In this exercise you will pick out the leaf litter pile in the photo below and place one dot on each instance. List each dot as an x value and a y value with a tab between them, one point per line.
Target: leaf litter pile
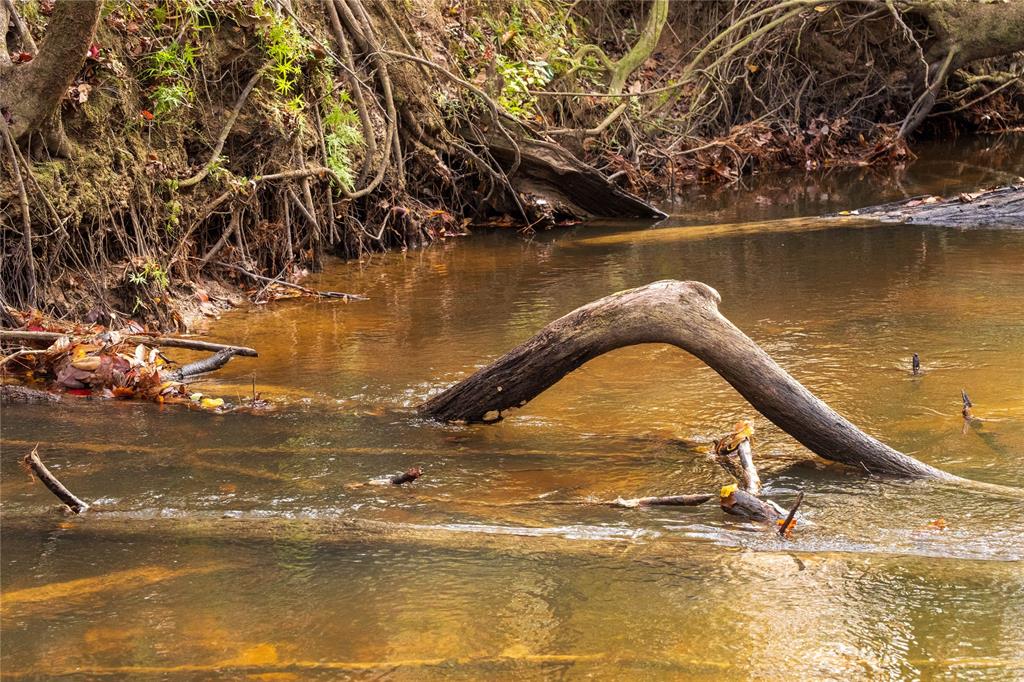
96	362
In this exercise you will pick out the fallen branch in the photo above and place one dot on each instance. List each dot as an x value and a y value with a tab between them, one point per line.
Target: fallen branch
208	364
33	462
684	314
17	354
297	287
169	341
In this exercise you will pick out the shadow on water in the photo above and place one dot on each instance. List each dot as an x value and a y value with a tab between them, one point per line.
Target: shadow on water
242	545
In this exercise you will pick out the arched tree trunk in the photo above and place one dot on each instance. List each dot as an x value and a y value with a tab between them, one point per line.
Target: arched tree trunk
684	314
30	94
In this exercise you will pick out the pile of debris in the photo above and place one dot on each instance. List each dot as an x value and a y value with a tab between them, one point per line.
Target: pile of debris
126	364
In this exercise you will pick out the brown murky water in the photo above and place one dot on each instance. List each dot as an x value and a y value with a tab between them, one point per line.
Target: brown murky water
243	546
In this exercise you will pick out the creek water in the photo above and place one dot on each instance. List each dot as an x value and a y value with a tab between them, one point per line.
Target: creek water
250	546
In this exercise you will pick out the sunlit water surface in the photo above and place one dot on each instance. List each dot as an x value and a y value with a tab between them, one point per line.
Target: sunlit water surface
248	546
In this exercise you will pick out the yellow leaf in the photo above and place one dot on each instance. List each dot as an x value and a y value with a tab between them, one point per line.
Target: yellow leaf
89	364
211	403
727	490
743	429
753	68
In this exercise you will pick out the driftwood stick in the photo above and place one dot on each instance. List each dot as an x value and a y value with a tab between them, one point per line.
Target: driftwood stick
169	341
791	515
684	314
33	462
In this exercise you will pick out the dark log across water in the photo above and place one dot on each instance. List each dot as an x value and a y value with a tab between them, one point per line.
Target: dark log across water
1003	207
684	314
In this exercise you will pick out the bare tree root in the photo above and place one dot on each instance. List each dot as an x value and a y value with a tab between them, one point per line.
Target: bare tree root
222	138
26	217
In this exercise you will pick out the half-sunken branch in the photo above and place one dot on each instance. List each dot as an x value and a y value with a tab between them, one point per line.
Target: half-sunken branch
33	462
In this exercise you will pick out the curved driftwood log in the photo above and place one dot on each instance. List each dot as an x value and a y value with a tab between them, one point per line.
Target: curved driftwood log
684	314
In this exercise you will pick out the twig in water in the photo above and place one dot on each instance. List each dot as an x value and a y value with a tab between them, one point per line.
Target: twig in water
297	287
784	528
33	462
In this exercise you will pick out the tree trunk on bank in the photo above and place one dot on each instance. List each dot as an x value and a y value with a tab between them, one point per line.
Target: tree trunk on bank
684	314
30	94
972	29
553	172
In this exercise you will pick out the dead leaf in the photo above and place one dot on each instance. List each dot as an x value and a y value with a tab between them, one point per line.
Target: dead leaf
89	364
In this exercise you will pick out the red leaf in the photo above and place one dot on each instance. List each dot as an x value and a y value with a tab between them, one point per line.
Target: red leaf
80	391
147	114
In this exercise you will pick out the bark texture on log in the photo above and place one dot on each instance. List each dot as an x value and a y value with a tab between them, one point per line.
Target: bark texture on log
684	314
1003	207
551	171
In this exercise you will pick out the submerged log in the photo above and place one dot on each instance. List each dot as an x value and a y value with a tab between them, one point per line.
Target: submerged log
665	501
1003	207
684	314
23	394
